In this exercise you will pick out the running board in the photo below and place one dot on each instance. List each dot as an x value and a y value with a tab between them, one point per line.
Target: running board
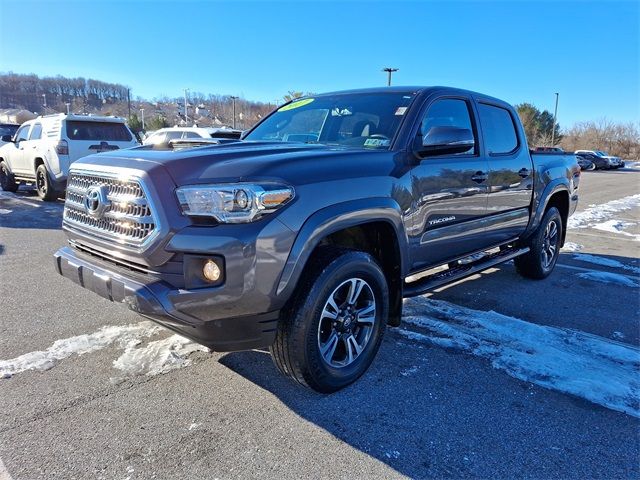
459	272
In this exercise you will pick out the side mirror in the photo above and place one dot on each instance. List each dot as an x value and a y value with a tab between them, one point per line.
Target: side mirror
6	138
446	140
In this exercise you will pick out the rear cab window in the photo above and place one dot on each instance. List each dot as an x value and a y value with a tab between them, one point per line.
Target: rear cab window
98	131
498	128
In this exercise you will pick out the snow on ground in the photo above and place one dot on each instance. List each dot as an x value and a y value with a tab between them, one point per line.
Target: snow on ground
611	278
616	226
605	262
596	214
571	247
157	357
598	369
79	345
4	211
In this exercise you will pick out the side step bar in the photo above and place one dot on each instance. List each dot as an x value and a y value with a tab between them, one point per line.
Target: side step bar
459	272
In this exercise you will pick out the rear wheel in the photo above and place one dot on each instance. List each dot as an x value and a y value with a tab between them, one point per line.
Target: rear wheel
333	329
7	181
43	184
544	247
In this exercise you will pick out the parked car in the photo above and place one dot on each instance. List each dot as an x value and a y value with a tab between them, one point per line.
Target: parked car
42	149
585	164
165	135
309	248
600	159
7	129
548	150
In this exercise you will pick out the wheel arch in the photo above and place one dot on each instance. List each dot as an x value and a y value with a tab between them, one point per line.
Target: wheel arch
371	225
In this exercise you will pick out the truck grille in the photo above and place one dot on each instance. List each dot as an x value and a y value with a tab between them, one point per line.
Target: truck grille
125	217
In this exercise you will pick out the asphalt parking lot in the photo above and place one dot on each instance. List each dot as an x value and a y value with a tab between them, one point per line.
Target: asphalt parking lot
450	394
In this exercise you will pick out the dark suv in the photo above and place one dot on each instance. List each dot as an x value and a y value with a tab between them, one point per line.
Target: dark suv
303	236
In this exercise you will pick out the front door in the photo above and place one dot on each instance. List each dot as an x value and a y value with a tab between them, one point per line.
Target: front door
17	161
449	191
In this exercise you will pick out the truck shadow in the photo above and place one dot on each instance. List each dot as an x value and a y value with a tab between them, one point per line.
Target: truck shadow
24	209
411	412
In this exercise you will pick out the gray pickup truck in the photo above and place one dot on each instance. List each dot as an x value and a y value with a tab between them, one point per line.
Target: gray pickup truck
305	236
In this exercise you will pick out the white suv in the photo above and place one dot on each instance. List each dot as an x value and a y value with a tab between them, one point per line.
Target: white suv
42	149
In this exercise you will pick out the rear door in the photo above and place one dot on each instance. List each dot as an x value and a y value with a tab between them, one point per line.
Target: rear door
86	137
510	171
449	191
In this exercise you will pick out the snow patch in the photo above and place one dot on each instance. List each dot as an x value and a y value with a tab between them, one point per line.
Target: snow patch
193	426
616	226
607	277
598	213
158	357
605	262
571	247
4	211
595	368
60	349
409	371
617	335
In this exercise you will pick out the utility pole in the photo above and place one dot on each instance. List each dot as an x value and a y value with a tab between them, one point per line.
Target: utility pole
186	114
68	106
129	101
389	70
44	102
234	110
142	114
555	120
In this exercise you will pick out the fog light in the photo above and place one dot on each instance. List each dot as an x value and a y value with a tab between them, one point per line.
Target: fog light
211	271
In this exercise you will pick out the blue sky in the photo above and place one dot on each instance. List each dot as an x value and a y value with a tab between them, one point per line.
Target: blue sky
520	51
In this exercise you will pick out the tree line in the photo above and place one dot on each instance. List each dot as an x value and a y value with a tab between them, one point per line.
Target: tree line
620	139
87	95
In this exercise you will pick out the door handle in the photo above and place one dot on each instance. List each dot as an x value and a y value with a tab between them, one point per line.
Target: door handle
479	177
524	172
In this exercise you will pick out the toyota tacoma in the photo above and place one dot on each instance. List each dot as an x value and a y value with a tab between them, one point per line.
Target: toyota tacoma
306	235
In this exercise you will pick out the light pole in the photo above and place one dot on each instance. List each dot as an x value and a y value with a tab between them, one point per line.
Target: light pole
142	115
389	70
234	110
44	102
555	119
186	115
68	107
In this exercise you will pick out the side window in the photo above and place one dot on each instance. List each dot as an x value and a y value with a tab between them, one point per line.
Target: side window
173	136
449	112
498	129
22	133
36	133
190	135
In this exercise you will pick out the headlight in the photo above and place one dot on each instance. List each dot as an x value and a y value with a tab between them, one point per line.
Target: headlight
233	203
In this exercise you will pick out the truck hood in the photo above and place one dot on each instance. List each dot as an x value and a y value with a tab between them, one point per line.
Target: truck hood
240	161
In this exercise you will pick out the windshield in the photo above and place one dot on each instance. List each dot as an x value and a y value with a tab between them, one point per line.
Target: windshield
8	129
602	154
352	120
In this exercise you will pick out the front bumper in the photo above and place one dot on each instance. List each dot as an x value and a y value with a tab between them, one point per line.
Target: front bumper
159	301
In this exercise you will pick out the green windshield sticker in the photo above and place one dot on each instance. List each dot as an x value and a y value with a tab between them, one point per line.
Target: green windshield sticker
299	103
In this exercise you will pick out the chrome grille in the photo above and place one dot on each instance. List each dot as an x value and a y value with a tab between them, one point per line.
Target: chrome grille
127	217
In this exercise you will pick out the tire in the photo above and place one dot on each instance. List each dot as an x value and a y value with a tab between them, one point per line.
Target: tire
544	246
44	186
7	182
310	326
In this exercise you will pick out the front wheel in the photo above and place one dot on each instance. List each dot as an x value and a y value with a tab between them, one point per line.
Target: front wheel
333	329
7	182
43	184
544	247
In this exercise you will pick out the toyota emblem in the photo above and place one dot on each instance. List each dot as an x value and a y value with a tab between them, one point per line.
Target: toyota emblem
95	200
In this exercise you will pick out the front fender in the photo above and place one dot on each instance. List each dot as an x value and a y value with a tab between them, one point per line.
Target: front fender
335	218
